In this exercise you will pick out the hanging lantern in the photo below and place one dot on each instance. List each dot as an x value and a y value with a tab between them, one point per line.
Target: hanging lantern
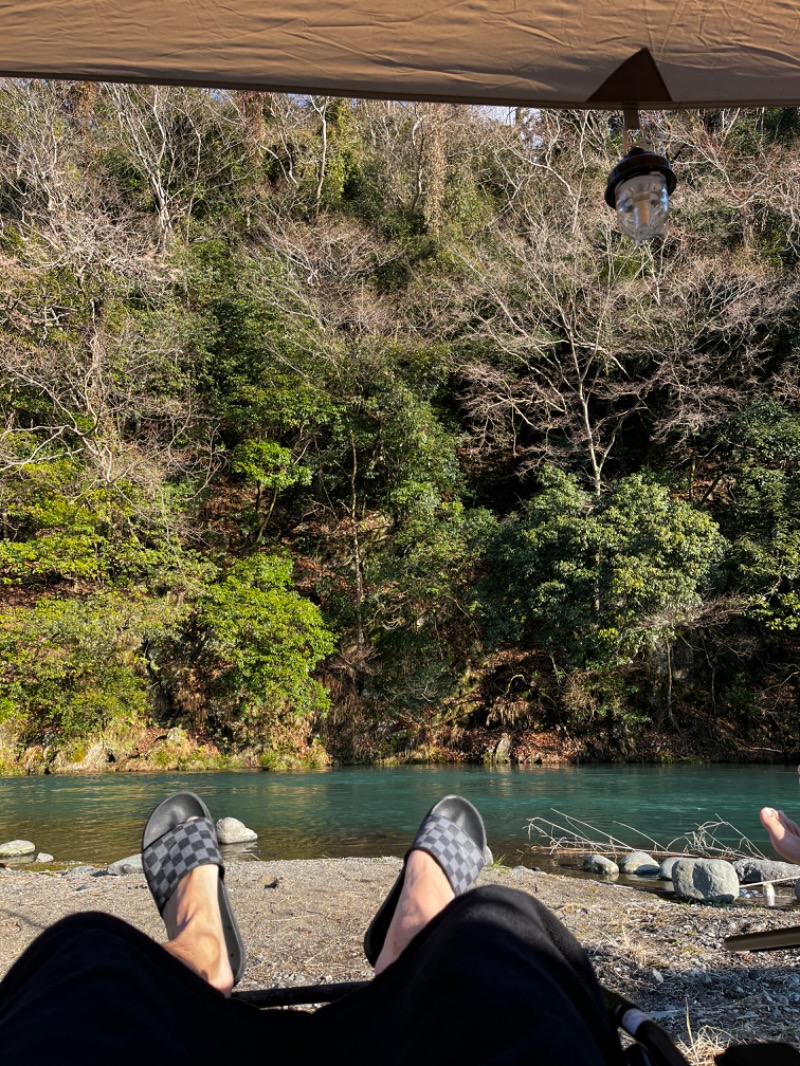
639	188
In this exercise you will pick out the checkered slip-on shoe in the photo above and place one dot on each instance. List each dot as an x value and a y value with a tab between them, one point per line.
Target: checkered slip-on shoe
179	837
453	833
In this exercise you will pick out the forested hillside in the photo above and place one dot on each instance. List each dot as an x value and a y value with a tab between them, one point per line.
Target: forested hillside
356	430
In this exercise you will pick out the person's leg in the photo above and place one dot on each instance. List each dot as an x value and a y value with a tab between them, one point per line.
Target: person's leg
426	891
452	833
92	989
492	978
178	843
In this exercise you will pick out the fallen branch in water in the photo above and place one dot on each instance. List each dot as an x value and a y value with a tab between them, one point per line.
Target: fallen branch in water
574	835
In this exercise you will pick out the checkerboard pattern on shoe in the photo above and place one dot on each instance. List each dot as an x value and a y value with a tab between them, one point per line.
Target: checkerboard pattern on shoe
456	852
174	854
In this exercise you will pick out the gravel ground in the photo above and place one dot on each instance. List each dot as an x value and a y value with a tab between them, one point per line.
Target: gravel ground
303	923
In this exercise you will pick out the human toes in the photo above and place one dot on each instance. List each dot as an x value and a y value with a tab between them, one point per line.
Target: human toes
783	833
771	820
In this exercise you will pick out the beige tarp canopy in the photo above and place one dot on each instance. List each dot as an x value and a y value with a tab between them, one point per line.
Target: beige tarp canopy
551	53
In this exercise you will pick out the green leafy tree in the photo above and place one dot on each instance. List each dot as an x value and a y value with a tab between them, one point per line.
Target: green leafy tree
76	668
595	582
420	603
61	526
760	511
261	643
274	469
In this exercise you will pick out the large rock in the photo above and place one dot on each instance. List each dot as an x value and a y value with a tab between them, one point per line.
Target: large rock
600	864
751	870
17	849
502	752
131	865
639	863
232	831
665	868
709	880
80	757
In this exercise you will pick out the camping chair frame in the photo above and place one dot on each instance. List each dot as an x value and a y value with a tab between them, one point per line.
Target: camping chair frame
655	1042
652	1046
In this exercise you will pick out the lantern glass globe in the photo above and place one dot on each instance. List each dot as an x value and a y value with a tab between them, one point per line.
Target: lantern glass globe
642	204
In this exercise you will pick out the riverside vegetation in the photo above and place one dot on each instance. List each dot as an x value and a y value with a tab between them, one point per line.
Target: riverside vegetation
355	430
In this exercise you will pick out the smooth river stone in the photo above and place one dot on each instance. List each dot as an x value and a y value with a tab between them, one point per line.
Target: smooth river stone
131	865
639	863
751	870
17	849
709	880
79	871
665	869
600	864
232	831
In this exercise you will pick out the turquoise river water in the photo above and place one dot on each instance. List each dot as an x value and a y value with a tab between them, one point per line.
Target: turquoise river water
366	811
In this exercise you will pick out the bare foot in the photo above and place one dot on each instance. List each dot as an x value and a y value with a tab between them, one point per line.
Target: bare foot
426	891
194	928
784	834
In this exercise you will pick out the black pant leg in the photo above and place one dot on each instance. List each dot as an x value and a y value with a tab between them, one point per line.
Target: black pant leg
94	990
493	979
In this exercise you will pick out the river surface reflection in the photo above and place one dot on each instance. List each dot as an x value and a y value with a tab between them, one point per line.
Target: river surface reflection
366	811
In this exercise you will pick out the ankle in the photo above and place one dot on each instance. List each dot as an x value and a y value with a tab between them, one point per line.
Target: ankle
199	948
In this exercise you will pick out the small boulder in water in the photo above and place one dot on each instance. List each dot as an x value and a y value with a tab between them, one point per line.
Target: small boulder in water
44	857
600	864
751	870
665	869
639	863
232	831
17	849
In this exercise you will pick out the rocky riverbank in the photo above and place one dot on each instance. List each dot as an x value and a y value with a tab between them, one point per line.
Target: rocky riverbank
303	923
149	749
